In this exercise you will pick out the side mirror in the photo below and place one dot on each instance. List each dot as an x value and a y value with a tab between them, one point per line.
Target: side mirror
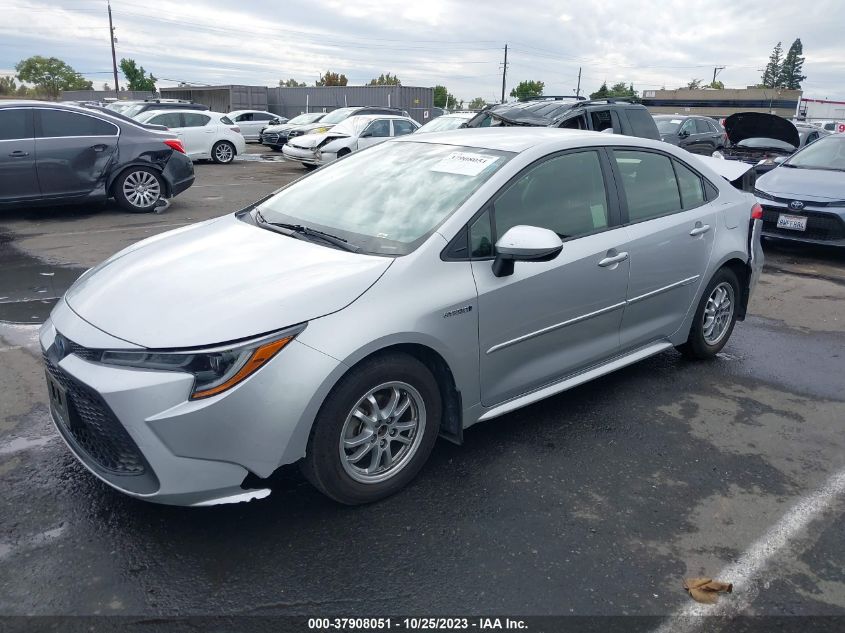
778	160
683	134
366	134
525	244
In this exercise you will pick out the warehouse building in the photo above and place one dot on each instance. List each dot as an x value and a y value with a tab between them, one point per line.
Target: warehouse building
288	102
221	98
722	103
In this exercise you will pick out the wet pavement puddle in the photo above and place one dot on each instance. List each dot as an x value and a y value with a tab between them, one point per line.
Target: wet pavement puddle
29	287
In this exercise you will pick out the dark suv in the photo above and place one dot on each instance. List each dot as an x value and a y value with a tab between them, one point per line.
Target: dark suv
56	154
132	109
336	116
623	117
696	134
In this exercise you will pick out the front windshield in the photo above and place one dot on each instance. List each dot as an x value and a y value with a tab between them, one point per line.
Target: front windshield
309	117
387	199
442	123
131	111
766	143
352	126
826	153
337	116
668	126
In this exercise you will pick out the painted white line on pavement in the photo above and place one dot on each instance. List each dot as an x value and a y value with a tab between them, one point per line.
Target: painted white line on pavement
745	572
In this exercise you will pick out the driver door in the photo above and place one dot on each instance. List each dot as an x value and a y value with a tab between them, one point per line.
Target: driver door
376	132
550	319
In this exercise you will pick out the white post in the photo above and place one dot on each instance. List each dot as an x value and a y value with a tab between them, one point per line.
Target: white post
306	102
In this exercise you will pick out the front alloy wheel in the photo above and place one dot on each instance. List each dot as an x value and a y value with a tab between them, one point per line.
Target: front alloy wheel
138	190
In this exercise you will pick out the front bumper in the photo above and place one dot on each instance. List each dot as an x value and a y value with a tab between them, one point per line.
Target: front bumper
137	430
825	225
308	156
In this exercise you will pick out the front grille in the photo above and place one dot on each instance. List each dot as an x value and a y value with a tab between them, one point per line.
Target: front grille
820	226
94	428
272	137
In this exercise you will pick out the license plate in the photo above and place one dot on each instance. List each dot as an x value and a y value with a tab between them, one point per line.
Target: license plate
58	401
792	222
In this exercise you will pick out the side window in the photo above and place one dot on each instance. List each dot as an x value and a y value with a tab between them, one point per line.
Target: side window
244	117
481	237
168	119
649	183
64	123
702	127
688	126
601	120
565	194
692	193
16	123
812	136
400	128
195	120
379	128
226	120
263	117
574	123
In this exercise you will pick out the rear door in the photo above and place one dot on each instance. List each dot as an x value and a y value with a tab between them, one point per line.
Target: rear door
401	128
74	152
18	179
550	319
671	230
249	126
709	137
199	133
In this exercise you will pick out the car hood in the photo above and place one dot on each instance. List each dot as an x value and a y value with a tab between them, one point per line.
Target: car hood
216	282
284	127
309	141
803	184
744	125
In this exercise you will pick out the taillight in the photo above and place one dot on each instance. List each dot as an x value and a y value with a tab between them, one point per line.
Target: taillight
175	143
757	212
235	129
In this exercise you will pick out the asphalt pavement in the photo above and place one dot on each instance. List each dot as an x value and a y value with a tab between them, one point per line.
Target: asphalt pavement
595	502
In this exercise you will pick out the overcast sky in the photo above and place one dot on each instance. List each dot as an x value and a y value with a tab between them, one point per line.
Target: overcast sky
652	43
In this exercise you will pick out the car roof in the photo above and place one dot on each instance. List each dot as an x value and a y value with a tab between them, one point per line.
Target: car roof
370	117
518	138
457	115
246	111
153	111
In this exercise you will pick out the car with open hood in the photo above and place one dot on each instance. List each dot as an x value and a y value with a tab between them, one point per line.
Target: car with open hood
759	139
406	292
803	199
356	132
341	114
275	136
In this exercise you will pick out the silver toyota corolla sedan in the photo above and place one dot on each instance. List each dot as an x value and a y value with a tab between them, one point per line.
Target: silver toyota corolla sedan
407	291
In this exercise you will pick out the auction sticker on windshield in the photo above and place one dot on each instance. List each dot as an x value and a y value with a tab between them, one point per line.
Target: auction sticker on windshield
464	163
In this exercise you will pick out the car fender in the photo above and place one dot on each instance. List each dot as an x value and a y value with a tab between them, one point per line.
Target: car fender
152	159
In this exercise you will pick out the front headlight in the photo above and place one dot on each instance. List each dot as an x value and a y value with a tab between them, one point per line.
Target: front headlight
320	130
717	154
215	370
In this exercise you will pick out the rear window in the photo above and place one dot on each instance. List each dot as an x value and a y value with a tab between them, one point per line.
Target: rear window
58	123
226	120
195	120
15	123
648	180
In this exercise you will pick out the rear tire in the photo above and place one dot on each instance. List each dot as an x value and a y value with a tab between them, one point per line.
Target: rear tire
375	430
223	152
138	189
714	318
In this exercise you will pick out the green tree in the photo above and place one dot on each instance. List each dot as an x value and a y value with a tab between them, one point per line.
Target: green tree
602	93
790	76
477	104
385	80
444	99
137	76
718	85
771	73
528	88
331	79
51	75
694	84
8	85
291	83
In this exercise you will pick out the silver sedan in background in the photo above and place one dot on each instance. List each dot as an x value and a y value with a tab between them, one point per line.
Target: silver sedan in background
408	291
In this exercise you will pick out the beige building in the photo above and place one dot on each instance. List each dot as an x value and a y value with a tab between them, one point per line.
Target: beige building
722	103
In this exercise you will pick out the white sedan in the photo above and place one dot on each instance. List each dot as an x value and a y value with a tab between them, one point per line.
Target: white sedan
204	134
354	133
252	122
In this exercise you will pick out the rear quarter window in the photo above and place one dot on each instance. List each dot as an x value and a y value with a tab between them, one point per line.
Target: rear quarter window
642	123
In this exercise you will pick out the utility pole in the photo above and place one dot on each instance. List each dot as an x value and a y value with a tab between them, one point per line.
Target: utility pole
578	89
716	72
113	56
504	72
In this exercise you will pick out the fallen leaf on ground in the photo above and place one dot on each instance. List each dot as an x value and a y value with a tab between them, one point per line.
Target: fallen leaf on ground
706	590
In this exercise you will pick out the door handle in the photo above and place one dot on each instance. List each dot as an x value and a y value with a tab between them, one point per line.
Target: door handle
18	153
613	259
700	229
98	148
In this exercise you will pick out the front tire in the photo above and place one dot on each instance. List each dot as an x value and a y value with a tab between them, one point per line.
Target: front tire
714	318
223	152
375	430
138	189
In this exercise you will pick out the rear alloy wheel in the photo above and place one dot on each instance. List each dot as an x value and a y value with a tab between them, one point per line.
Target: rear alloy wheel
223	152
138	190
375	430
715	317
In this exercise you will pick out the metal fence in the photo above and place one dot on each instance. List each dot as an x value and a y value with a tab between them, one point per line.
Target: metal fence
288	102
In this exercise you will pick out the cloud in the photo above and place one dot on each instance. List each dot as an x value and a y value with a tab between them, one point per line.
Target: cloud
651	43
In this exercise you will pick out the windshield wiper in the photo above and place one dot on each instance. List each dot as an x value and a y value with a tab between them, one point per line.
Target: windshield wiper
301	230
